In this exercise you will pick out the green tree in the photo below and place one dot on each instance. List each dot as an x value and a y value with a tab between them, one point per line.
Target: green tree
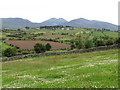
27	27
10	52
80	43
100	42
109	42
72	46
89	43
48	46
39	48
117	41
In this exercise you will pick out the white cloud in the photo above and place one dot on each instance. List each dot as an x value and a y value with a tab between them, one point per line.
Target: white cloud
40	10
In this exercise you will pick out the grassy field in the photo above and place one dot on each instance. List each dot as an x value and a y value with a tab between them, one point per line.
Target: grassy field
72	34
56	34
87	70
4	46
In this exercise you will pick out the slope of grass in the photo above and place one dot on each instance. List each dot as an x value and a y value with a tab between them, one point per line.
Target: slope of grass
4	46
87	70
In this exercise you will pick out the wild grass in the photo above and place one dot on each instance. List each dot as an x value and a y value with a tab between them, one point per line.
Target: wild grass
4	46
86	70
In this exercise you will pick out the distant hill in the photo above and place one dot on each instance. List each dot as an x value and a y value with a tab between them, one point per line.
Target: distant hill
15	23
84	23
53	22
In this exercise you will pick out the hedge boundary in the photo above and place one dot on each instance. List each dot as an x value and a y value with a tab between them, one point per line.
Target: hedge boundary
61	53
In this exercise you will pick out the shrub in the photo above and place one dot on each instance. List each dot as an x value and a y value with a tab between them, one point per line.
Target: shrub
80	43
48	46
10	52
117	41
89	43
72	46
39	48
109	42
100	42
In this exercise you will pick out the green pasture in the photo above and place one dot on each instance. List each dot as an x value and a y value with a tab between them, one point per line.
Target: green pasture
57	34
87	70
4	46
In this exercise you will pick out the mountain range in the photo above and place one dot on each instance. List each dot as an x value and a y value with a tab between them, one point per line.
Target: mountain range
15	23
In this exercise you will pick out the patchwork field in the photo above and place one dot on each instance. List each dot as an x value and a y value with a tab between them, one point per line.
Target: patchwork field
86	70
29	44
59	35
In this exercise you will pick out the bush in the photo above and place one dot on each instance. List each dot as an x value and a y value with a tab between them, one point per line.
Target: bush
48	46
10	52
39	48
109	42
72	46
117	41
89	43
80	44
100	42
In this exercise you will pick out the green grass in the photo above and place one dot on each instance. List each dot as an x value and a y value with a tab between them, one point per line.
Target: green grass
87	70
72	34
108	33
4	46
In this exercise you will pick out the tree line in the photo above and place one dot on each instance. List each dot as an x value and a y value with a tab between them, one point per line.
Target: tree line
88	42
38	48
79	43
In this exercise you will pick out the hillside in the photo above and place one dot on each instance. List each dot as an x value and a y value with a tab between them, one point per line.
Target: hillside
87	70
15	23
53	22
84	23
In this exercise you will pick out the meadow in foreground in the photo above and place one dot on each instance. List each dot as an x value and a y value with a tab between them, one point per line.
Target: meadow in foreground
86	70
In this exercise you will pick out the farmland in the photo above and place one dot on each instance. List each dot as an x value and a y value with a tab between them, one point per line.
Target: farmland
59	35
24	40
87	70
29	44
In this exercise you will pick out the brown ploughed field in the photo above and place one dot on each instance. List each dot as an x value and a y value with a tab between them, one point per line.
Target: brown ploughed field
29	44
